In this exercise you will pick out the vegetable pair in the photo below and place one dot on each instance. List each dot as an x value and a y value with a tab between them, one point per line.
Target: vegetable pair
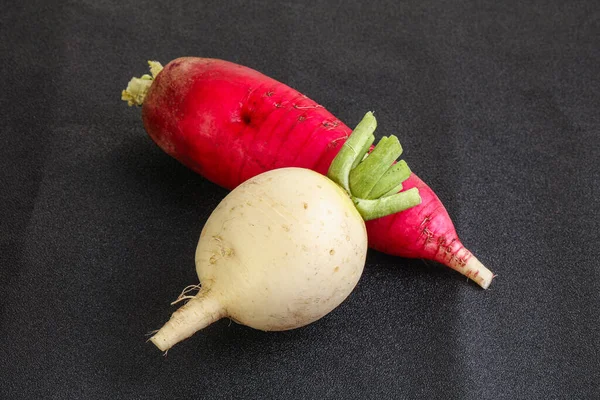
230	124
286	247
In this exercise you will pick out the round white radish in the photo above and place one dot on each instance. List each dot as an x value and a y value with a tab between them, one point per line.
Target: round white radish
279	252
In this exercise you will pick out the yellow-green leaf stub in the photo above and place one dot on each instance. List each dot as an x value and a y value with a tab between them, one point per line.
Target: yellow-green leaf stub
353	150
137	88
374	179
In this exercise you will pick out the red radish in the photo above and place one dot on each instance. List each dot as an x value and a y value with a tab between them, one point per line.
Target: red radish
229	123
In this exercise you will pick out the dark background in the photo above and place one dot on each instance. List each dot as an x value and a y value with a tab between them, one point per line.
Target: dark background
497	105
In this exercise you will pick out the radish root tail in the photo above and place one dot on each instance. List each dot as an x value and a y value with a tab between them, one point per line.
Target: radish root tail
478	273
200	311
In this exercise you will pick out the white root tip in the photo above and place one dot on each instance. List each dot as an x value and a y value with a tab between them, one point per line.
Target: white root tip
201	311
478	273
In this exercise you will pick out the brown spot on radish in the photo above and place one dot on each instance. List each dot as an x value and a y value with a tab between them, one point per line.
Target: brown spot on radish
305	204
336	269
246	118
307	107
269	93
330	124
428	235
229	252
331	252
285	227
213	259
333	142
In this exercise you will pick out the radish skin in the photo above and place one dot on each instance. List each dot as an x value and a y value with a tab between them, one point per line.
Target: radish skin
279	252
434	238
229	123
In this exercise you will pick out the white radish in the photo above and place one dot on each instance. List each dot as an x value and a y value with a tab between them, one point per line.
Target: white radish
280	251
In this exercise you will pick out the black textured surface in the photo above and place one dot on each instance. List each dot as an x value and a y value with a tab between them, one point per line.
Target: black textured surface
497	105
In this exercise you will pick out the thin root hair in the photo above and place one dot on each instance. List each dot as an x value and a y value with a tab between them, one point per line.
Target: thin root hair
185	293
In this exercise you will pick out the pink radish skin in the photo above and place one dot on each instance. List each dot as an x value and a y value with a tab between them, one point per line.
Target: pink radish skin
433	237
